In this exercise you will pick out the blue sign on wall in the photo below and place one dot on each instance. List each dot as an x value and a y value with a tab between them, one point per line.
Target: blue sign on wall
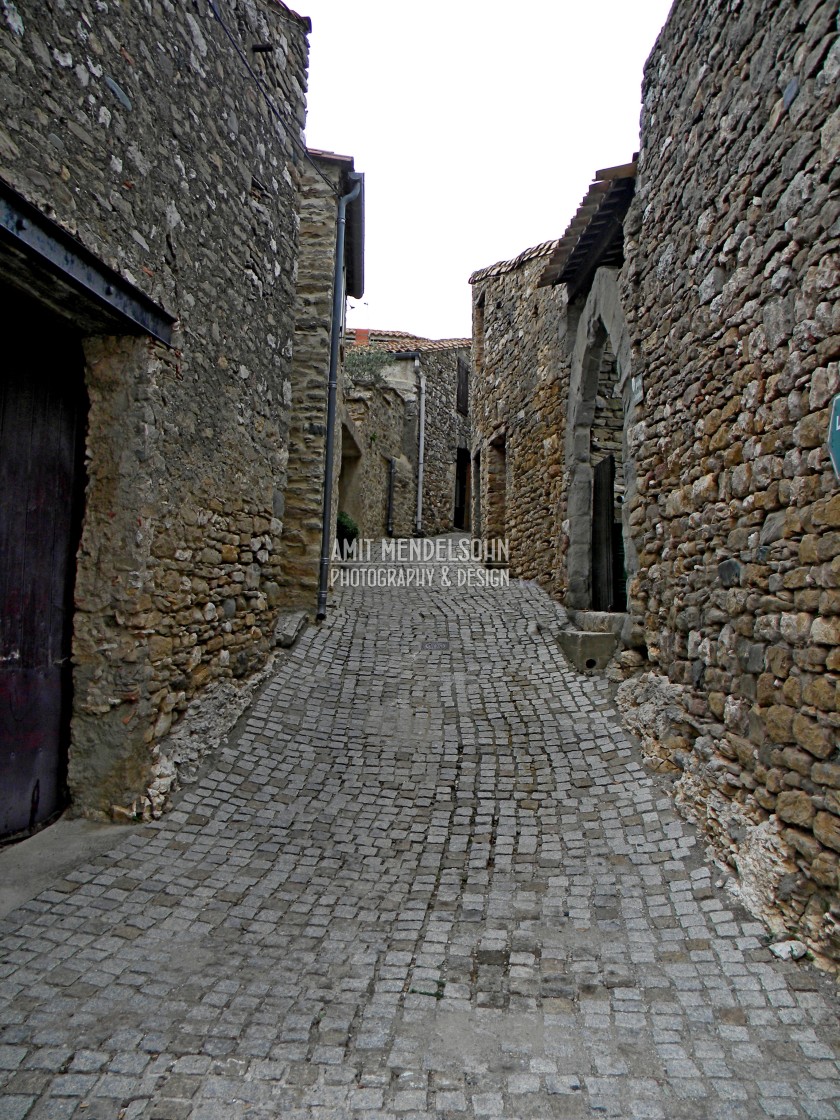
834	435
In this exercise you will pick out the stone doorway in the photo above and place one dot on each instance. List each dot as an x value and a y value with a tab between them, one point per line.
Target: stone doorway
477	522
495	512
461	518
608	579
43	413
597	456
350	478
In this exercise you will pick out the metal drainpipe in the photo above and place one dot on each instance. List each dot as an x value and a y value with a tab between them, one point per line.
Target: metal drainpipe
332	393
392	471
418	527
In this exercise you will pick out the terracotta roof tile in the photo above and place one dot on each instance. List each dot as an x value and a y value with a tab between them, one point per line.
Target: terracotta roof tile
541	250
402	340
561	248
594	234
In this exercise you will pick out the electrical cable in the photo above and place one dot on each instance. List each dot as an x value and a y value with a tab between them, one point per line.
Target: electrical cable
275	111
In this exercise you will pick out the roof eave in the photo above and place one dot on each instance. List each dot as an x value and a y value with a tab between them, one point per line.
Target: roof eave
355	244
592	236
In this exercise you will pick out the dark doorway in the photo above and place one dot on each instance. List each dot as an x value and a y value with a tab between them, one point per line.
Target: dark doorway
350	478
462	489
495	513
43	410
608	579
619	569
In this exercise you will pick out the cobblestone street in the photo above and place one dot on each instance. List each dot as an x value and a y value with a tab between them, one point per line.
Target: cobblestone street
427	876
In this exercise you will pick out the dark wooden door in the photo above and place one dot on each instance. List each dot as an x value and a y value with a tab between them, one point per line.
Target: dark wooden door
603	503
462	477
42	415
619	591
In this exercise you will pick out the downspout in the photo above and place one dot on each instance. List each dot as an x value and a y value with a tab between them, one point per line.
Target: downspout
421	435
421	446
332	393
392	470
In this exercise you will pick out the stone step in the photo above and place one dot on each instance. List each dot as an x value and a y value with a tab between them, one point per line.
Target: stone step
290	626
588	650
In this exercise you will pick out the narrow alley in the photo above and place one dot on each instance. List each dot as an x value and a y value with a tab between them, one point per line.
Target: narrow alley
427	876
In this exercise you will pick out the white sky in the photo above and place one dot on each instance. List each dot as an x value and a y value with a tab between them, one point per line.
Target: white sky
478	125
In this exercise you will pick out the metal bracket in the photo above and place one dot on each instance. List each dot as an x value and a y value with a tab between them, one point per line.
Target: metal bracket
78	278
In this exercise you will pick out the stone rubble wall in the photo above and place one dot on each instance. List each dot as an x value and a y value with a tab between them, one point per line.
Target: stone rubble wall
731	293
303	515
384	406
727	311
137	128
518	393
446	431
381	416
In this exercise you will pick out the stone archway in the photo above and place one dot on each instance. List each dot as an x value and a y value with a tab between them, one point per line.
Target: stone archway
598	417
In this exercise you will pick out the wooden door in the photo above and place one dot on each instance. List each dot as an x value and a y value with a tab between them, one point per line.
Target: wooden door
462	478
42	415
603	502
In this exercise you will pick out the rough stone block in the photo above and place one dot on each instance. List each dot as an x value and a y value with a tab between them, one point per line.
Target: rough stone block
778	723
729	573
814	738
827	829
289	628
587	651
794	807
826	631
826	774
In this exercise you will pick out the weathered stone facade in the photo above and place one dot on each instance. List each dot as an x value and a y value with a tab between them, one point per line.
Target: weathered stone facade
731	297
447	432
140	131
385	424
303	516
384	402
720	338
518	407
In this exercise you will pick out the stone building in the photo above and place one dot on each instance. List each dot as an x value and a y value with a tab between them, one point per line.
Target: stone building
698	351
150	165
405	394
518	414
378	481
328	175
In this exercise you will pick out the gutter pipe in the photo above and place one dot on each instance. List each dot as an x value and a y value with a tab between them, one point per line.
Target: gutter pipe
418	528
392	470
421	438
332	392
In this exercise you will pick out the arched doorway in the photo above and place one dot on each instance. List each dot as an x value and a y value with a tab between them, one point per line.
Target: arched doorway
600	470
607	575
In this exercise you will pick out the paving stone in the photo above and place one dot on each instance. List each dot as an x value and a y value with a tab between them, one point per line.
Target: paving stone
14	1106
11	1056
421	880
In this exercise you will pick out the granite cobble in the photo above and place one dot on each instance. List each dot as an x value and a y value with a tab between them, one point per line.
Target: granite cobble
427	876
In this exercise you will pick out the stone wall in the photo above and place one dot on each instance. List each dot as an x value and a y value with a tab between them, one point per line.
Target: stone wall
715	350
446	431
383	419
303	516
138	129
731	295
386	412
518	409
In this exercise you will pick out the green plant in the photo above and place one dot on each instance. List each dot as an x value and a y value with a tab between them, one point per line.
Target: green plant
364	364
346	529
